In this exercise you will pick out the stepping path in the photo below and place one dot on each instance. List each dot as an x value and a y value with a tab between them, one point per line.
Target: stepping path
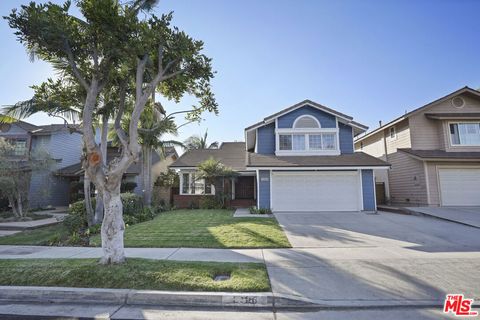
57	215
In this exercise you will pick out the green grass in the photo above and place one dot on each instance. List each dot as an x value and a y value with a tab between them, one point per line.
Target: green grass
134	274
204	229
36	237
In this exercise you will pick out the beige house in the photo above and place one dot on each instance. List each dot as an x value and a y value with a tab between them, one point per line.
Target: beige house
434	152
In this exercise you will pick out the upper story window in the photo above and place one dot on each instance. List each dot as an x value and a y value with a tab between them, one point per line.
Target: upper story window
393	133
465	134
19	147
307	137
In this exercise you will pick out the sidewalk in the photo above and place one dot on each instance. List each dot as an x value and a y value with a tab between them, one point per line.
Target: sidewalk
57	215
179	254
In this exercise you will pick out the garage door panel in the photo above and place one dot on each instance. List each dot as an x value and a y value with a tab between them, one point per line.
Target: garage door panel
459	186
315	191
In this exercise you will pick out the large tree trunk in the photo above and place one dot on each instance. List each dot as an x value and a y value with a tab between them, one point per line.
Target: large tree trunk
113	228
88	199
103	150
147	175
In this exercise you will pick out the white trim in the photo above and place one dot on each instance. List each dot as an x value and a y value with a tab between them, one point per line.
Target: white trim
374	190
258	188
306	133
318	168
310	104
190	173
305	130
453	146
425	170
327	152
256	140
306	116
271	193
232	181
360	181
264	123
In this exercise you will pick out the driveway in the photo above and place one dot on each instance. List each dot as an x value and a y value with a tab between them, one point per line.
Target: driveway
357	259
466	215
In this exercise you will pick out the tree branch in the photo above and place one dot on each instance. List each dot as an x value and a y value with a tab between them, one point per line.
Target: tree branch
73	65
122	136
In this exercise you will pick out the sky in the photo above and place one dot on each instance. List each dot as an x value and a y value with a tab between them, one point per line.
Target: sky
372	60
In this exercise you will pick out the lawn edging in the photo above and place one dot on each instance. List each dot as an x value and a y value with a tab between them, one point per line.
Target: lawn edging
150	297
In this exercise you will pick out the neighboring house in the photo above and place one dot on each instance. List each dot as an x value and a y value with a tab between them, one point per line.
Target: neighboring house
299	159
434	152
53	187
62	145
160	164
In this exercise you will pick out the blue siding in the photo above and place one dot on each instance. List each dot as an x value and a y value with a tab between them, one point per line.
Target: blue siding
346	138
326	120
266	139
264	189
45	188
368	186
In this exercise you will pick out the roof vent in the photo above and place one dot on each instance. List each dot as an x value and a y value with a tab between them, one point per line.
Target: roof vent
458	102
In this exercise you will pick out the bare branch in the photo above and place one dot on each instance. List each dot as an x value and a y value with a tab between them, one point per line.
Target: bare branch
121	108
73	65
184	124
173	74
170	64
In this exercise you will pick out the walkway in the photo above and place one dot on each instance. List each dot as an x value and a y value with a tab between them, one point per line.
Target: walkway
57	215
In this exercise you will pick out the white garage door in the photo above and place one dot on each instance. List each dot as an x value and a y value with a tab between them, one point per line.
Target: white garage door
460	187
316	191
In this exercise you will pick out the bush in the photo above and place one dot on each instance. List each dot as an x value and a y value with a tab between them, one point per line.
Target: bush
210	202
255	210
132	204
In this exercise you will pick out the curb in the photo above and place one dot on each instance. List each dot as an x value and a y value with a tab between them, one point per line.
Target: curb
240	300
66	295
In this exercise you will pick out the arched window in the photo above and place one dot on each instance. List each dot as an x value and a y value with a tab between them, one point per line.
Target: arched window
306	122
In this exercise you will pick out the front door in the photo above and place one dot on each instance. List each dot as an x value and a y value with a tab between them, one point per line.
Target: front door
244	188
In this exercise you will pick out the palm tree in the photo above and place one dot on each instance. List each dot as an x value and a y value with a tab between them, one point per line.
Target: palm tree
197	142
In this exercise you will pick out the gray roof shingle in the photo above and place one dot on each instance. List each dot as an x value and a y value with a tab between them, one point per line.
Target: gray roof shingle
442	154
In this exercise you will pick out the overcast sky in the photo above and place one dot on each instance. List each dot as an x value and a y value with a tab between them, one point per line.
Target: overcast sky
372	60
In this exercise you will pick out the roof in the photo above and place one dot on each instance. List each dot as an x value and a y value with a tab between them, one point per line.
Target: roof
453	115
465	89
357	159
310	103
442	155
25	125
134	169
50	128
230	154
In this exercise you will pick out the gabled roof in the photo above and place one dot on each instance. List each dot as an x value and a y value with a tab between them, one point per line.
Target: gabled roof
313	104
230	154
442	155
465	89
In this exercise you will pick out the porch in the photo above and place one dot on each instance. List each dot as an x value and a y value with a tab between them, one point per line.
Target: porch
241	192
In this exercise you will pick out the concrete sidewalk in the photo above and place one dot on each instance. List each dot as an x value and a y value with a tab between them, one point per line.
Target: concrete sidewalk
179	254
57	215
469	216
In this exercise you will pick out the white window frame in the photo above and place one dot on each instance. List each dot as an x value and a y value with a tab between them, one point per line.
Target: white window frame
190	184
306	116
306	132
450	134
394	130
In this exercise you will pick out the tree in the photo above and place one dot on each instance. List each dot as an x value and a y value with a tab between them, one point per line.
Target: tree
15	175
111	47
214	172
197	142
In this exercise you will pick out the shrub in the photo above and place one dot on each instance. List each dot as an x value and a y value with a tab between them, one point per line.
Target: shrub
132	204
255	210
210	202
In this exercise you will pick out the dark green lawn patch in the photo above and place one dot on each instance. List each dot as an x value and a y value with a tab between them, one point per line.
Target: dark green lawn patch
204	229
37	237
134	274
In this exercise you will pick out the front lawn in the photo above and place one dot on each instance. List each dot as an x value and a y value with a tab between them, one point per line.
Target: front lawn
204	229
139	274
37	237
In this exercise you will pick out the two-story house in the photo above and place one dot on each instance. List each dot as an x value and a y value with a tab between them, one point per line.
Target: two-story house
53	187
63	146
299	159
434	152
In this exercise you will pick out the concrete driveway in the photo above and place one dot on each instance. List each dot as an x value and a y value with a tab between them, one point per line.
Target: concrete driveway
357	259
466	215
